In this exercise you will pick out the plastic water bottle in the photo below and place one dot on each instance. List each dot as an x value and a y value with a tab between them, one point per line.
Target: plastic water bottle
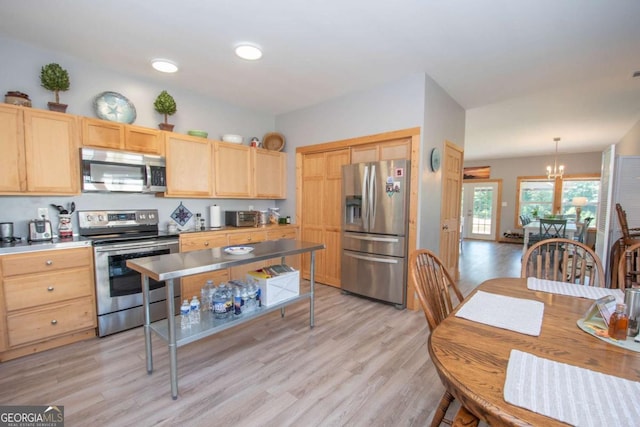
185	321
205	296
237	300
194	313
219	301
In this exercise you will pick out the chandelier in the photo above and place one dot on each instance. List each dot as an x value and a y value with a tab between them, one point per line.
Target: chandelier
558	170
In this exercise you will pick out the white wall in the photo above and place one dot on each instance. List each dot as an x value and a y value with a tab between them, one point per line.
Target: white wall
629	145
444	120
510	169
21	71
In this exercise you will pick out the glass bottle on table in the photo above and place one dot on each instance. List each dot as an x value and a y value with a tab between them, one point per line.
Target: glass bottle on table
618	323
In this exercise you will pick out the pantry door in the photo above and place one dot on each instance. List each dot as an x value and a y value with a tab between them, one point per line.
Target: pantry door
480	209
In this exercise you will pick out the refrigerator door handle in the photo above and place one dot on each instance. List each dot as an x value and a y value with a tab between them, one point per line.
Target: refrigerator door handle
373	259
373	239
365	198
372	198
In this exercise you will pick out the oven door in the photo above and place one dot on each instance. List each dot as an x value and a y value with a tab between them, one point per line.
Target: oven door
117	286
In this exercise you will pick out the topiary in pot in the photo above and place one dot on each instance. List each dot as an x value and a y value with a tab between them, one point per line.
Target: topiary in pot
55	78
165	104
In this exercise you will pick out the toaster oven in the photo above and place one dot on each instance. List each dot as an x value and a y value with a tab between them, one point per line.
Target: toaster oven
241	218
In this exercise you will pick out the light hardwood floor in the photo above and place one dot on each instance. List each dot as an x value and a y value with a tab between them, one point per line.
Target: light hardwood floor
364	364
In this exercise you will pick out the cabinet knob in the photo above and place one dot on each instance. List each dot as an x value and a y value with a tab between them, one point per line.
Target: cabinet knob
249	239
206	243
50	288
54	322
49	262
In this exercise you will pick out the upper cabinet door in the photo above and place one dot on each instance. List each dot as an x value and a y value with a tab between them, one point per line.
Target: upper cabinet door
188	166
143	140
233	170
118	136
102	134
270	177
51	149
12	169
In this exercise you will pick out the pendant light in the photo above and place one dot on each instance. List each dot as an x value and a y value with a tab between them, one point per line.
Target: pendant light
558	170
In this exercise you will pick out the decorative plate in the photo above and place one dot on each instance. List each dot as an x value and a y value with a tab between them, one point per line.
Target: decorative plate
435	159
238	250
114	107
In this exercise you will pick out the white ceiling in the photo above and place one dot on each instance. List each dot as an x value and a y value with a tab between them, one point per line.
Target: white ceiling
526	71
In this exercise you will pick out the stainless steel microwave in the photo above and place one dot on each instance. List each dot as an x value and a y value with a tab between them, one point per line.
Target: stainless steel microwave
105	170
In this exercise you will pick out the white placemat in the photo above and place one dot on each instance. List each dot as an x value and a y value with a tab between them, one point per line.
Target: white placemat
572	289
515	314
574	395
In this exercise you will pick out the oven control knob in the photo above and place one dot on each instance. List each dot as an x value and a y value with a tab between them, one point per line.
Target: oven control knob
100	218
142	216
151	216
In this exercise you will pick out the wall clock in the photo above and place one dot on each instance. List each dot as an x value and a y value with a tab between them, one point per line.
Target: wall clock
435	160
114	107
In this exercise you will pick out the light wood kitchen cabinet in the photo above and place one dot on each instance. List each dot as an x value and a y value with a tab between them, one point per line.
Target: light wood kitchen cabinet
286	233
118	136
189	166
322	211
245	238
246	172
233	170
389	150
39	152
270	174
191	285
47	300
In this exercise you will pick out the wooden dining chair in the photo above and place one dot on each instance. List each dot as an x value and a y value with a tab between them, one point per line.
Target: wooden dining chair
629	267
435	287
563	260
630	235
581	237
552	228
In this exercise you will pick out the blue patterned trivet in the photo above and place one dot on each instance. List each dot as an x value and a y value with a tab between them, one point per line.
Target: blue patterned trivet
181	215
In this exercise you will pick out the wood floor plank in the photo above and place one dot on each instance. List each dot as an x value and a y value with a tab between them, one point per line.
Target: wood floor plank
364	364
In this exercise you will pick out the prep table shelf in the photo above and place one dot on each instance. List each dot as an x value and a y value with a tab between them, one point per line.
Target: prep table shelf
209	325
173	266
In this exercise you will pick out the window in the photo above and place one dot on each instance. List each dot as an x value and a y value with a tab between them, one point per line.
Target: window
589	188
540	197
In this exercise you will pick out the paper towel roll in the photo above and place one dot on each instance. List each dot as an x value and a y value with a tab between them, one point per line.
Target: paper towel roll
215	217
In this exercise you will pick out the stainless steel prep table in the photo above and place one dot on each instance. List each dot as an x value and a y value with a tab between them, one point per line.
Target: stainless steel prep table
173	266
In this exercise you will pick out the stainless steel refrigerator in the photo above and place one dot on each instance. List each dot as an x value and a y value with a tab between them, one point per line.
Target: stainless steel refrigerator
374	250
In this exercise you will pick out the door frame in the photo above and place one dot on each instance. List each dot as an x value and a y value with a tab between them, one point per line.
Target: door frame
498	211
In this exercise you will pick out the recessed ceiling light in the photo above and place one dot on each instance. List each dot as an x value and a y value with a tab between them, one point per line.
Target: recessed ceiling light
164	65
248	52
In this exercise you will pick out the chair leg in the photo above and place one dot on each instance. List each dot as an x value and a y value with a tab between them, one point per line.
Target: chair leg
464	418
441	410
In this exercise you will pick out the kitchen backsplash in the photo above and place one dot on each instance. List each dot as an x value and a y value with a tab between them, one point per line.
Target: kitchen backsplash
20	210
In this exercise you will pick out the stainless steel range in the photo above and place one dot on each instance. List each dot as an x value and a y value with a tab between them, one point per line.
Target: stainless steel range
119	235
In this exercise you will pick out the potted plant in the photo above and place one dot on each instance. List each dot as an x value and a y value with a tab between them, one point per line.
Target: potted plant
165	104
55	78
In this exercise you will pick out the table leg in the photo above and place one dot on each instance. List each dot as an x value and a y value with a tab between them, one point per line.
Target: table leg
311	292
147	322
173	350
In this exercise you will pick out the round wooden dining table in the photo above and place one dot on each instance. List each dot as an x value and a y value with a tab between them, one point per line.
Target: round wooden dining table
471	358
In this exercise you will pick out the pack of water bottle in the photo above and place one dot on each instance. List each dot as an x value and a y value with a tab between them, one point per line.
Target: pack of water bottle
230	299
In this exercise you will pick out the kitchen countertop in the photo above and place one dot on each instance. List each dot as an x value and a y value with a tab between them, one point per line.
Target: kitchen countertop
24	246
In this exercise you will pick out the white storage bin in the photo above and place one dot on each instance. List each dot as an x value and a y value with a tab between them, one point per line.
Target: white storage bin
278	288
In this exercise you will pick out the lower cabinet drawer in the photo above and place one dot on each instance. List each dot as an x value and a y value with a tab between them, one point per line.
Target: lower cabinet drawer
286	233
45	261
50	321
35	290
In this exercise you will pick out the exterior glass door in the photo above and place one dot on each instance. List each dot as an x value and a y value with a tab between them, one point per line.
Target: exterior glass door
479	207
